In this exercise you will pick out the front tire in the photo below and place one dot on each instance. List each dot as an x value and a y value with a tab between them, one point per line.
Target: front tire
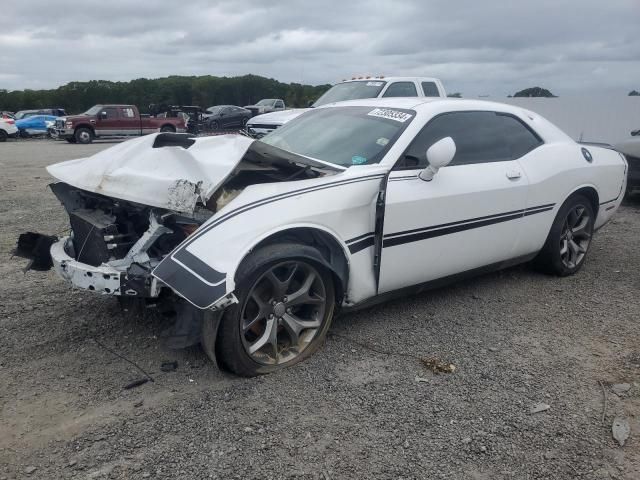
569	239
3	136
286	302
167	129
84	135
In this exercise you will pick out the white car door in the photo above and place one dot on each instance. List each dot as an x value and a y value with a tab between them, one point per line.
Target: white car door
471	214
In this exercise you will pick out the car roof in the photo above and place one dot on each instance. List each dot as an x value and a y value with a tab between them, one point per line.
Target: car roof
428	107
390	79
428	103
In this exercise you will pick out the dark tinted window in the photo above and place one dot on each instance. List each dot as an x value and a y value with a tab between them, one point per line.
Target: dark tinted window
430	89
279	104
111	112
480	137
401	89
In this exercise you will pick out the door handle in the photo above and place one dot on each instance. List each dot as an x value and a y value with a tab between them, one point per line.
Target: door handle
513	174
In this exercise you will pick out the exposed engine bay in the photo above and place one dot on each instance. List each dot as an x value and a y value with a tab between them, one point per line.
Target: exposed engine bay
125	240
114	243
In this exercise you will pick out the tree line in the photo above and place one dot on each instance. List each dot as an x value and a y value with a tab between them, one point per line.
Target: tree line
204	91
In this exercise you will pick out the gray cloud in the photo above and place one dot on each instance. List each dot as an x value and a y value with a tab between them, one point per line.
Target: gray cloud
490	47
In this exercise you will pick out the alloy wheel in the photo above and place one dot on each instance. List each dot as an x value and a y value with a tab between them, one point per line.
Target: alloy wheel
575	236
283	312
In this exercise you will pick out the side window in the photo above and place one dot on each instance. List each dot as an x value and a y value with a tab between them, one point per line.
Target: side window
127	112
279	104
480	137
430	89
111	113
401	89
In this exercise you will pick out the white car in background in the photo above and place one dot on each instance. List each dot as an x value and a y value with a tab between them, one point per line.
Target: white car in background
258	243
7	129
354	89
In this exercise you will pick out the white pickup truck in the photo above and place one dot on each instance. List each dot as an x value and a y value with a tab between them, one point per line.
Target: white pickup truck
354	89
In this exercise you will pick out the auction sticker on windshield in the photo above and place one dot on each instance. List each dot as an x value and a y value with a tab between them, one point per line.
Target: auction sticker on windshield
390	114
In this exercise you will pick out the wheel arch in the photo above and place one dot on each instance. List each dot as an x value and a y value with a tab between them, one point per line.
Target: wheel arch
168	125
84	125
333	251
591	193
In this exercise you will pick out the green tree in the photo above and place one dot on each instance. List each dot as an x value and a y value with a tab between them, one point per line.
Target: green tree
534	92
204	90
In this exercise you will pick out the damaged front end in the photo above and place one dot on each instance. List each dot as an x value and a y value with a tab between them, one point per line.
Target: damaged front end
112	248
131	205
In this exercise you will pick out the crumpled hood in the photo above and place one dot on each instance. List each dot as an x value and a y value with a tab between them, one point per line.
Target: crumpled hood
277	118
170	177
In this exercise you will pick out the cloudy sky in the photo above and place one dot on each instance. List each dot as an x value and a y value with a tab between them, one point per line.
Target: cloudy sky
493	47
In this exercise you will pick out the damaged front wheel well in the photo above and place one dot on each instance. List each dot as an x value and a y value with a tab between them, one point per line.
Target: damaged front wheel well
326	244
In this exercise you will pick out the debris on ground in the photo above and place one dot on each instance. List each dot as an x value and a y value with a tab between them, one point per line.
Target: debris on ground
30	469
422	380
620	388
620	430
539	407
438	366
168	366
135	383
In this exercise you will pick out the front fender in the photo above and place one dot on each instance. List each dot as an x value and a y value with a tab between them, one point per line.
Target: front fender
202	269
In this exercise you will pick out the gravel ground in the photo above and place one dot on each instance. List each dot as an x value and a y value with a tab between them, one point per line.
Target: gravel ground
359	408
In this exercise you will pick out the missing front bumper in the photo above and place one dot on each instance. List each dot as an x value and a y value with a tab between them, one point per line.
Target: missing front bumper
132	281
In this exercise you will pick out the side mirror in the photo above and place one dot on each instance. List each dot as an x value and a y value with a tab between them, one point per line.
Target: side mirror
103	115
439	155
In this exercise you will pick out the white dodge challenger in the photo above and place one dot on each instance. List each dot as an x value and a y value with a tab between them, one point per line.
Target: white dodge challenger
256	244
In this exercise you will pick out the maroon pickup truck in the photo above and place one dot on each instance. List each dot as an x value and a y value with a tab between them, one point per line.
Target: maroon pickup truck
104	121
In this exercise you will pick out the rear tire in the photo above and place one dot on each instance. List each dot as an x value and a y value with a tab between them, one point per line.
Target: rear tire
569	239
167	129
286	302
84	135
3	136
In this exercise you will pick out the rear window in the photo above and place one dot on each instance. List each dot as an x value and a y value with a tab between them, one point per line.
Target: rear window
430	89
401	89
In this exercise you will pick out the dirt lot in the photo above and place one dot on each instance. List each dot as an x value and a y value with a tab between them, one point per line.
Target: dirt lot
516	338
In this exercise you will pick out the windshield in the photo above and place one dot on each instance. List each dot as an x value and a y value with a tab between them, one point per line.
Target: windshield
93	110
24	114
266	102
343	136
351	91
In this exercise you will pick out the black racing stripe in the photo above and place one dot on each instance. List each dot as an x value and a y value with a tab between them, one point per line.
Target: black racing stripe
423	235
538	210
472	220
450	224
189	286
360	237
274	198
416	235
198	266
361	245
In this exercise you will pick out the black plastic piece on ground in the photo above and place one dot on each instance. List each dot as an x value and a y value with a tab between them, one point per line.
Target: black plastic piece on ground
169	366
35	247
135	383
187	330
